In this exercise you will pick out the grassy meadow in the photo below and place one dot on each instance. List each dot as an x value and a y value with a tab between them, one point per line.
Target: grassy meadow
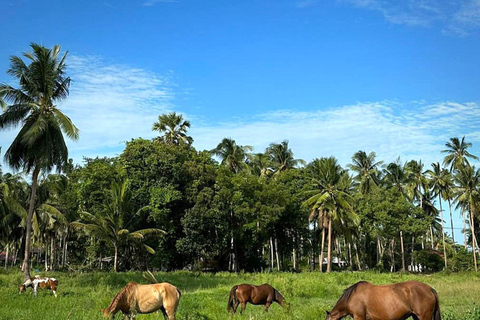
204	296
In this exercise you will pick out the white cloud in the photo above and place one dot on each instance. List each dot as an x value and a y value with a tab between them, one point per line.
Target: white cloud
389	129
150	3
112	104
453	17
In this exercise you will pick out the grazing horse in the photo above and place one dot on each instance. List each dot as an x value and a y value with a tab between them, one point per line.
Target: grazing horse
145	298
264	294
396	301
44	283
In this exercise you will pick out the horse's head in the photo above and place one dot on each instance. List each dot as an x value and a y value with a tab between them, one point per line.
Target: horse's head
334	315
280	299
107	313
22	288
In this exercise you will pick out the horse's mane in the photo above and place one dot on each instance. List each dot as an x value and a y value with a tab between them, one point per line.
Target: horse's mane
121	297
348	292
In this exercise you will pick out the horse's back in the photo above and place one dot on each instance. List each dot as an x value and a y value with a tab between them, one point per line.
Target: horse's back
392	301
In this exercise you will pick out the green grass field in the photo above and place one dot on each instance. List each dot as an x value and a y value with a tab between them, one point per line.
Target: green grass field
204	296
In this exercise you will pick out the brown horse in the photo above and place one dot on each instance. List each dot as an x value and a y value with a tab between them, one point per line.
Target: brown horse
264	294
396	301
145	298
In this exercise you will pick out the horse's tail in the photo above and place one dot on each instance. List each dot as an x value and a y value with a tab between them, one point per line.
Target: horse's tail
232	298
436	311
179	293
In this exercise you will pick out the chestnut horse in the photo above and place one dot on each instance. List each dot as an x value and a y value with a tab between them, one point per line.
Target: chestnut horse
264	294
145	298
44	283
396	301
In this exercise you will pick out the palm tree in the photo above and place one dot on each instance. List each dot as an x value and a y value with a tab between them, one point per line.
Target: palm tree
259	164
417	181
467	196
439	179
39	145
174	129
457	153
367	170
395	174
329	195
112	226
233	156
281	156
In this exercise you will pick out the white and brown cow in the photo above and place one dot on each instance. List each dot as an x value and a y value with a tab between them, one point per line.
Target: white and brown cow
44	283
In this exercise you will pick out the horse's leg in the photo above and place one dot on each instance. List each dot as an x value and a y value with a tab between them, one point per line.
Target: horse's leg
428	315
169	313
54	292
235	306
244	305
35	286
267	305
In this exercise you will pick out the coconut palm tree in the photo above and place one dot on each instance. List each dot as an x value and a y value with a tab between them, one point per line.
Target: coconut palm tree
439	180
281	157
174	128
233	156
467	196
113	225
259	164
395	174
367	170
457	154
328	194
417	181
39	146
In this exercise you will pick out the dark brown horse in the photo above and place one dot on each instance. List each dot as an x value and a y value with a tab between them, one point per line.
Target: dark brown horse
396	301
264	294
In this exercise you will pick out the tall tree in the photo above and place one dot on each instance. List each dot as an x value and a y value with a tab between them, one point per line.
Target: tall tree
39	146
281	156
457	154
173	127
328	194
439	179
232	155
468	196
113	225
367	170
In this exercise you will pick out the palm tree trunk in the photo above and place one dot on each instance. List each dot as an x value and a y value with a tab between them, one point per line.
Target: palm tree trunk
356	256
413	251
52	255
451	220
28	225
46	256
431	237
403	252
350	260
6	255
392	255
329	252
276	254
115	258
464	229
474	245
443	231
272	259
320	262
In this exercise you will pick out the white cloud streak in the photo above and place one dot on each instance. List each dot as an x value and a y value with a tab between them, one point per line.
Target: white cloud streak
454	17
112	104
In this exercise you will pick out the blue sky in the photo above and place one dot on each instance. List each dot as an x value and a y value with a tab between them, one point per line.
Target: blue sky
332	77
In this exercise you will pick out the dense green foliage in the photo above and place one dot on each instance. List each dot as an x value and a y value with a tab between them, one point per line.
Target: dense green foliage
163	205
